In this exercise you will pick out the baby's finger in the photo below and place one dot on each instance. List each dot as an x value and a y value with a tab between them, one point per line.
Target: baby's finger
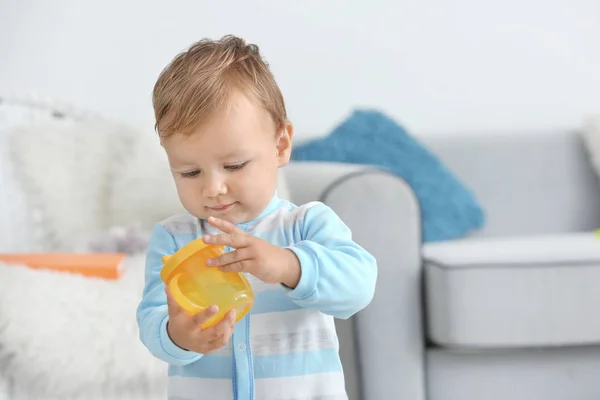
224	226
238	266
216	344
230	257
230	318
225	330
172	305
222	239
205	314
227	323
219	342
236	240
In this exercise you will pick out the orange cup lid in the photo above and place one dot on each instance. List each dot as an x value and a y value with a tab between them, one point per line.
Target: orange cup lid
171	262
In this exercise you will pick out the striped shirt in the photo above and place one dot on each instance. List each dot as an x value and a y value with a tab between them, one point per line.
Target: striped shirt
286	347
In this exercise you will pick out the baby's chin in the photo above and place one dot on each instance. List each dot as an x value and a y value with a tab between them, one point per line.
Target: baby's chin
236	214
235	217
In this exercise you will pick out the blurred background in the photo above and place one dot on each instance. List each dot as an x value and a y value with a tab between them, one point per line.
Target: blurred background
481	118
437	66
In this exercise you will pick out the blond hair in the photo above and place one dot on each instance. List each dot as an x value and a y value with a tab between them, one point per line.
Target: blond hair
199	82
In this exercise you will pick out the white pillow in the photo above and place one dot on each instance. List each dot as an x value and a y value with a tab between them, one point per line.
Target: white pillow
22	226
67	181
18	230
143	192
66	172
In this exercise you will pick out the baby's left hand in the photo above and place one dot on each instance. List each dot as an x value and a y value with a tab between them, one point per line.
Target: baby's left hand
267	262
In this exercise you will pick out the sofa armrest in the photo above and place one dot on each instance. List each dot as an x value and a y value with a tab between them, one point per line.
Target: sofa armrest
309	181
382	346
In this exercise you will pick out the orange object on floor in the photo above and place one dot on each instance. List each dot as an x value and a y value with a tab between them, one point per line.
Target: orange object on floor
100	265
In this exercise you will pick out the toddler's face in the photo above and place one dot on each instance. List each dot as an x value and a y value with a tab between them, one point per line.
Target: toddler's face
227	167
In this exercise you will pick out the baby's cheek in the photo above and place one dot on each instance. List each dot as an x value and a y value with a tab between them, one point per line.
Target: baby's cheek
190	198
243	187
182	191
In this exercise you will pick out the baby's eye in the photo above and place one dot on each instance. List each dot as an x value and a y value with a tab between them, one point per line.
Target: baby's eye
235	167
191	174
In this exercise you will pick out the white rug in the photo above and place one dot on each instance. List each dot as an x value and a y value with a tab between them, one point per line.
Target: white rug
68	337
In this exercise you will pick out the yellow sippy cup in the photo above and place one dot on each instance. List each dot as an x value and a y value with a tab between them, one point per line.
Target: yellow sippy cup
196	286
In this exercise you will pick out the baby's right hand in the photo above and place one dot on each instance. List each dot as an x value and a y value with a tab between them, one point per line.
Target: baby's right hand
184	330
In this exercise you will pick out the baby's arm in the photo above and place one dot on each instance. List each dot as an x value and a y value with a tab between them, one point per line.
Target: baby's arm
338	276
152	313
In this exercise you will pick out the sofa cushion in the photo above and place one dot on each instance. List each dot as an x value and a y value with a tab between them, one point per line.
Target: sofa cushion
562	373
552	185
528	291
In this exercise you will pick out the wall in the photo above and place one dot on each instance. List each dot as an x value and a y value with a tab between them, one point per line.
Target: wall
437	66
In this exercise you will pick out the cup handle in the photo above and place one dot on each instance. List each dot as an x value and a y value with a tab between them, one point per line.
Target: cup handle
181	299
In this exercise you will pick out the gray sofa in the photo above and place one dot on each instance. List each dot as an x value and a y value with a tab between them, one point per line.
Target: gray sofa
509	313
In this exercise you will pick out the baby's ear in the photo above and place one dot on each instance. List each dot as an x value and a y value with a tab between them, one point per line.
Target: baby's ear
284	143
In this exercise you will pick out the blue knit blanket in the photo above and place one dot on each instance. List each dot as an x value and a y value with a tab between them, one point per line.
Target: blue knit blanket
449	210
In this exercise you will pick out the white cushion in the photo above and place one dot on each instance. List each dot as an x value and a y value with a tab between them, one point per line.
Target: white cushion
23	226
15	214
67	172
527	291
67	178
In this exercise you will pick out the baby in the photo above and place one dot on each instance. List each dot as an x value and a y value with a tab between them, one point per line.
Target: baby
222	121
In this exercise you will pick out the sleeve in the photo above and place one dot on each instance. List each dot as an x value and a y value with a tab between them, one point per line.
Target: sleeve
338	276
152	313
